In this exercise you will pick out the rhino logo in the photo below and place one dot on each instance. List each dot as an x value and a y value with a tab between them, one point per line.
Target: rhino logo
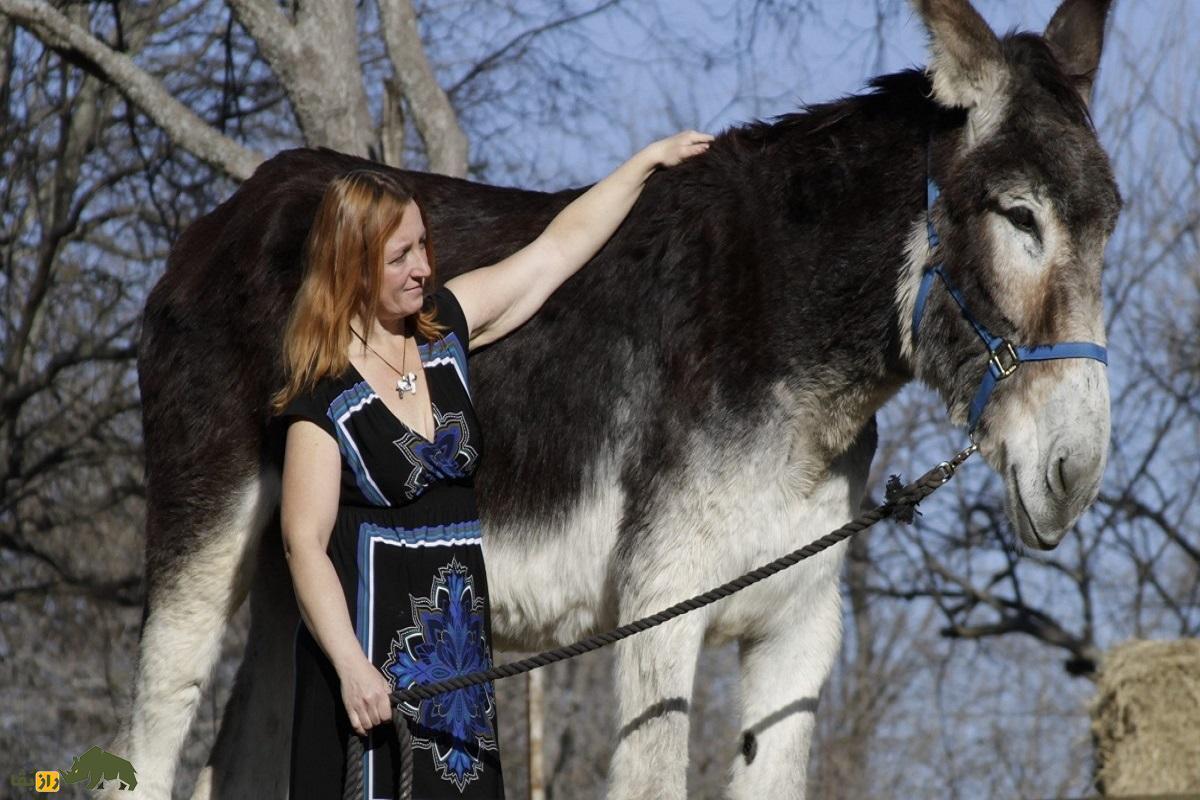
97	766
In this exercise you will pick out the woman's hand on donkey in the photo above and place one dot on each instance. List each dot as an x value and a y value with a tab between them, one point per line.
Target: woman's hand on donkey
672	150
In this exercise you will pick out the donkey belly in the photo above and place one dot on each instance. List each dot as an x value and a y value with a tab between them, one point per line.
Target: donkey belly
553	581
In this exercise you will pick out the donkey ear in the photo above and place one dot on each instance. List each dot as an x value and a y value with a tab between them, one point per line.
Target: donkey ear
967	65
1076	35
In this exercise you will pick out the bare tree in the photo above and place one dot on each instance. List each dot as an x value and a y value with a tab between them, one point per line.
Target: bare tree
313	54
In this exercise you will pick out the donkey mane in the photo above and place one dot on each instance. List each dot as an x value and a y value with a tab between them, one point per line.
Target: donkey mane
903	94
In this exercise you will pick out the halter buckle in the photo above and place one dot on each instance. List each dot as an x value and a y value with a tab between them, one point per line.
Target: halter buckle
997	364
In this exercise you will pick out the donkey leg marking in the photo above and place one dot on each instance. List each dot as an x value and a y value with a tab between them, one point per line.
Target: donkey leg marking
783	669
182	637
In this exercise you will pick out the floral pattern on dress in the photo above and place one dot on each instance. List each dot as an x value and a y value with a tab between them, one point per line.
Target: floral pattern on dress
448	640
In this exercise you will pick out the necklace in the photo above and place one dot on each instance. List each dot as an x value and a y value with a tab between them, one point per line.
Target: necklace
407	382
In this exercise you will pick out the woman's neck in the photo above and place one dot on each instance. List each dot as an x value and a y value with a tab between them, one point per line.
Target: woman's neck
382	334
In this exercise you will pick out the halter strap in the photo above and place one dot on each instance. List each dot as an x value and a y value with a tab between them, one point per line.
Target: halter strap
1005	357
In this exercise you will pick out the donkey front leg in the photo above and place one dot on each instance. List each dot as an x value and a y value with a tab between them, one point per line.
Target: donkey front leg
783	669
654	675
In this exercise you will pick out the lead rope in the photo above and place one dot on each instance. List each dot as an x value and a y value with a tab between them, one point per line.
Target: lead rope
352	787
900	502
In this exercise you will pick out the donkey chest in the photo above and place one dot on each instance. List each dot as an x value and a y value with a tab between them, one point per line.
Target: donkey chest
750	503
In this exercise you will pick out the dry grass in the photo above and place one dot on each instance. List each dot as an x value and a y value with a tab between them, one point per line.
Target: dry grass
1146	719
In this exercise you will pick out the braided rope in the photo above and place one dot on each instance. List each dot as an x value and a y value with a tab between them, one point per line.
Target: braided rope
901	503
352	786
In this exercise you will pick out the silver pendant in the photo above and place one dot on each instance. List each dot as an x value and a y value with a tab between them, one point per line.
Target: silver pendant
407	384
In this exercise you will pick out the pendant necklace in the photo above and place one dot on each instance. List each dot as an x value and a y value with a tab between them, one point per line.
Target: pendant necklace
407	382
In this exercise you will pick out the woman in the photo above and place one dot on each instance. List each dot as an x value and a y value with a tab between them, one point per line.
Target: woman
378	509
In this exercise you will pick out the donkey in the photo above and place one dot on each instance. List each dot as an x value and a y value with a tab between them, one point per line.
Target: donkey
696	402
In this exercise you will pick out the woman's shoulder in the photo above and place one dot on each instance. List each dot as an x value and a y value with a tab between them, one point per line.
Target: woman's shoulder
328	385
448	312
315	401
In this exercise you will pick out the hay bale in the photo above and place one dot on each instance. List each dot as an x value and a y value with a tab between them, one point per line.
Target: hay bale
1146	719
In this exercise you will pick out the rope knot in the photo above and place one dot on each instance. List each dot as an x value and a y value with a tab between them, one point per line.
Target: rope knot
902	503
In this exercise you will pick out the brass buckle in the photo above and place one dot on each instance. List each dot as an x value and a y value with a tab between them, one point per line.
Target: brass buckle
997	365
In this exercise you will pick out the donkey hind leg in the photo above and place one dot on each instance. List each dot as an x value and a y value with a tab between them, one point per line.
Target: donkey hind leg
783	668
252	754
181	638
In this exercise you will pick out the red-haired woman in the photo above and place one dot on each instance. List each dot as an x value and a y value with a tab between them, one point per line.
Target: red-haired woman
378	508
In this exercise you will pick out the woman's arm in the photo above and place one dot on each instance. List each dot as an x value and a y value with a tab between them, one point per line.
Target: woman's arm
499	298
308	510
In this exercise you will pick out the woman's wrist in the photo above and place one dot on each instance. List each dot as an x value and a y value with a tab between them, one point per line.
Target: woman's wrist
650	157
663	153
637	168
346	659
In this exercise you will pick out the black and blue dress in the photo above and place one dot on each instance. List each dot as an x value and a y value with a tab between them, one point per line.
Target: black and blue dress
406	546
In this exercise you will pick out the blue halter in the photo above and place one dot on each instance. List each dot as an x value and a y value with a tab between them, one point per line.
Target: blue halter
1005	356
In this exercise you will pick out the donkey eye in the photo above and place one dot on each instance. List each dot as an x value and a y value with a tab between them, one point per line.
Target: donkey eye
1022	219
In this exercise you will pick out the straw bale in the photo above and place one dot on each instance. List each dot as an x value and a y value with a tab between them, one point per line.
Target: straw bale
1146	719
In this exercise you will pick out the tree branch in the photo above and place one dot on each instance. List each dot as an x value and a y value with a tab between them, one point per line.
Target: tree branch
143	90
82	353
521	39
434	116
126	592
1136	508
1084	656
272	32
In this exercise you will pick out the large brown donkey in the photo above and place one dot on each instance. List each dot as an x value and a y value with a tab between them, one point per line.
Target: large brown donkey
696	402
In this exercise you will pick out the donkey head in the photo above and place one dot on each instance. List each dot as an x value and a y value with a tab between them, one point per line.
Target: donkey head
1027	203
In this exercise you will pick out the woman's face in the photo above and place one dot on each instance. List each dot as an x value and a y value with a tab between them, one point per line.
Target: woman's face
405	267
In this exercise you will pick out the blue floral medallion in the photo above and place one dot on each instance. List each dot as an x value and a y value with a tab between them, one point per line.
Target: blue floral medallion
448	457
448	640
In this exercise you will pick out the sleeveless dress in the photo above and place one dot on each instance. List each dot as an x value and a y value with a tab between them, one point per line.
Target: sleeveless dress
406	546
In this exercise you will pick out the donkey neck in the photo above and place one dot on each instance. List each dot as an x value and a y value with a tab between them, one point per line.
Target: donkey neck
848	254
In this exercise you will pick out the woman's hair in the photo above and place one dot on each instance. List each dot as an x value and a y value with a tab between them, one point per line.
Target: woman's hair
343	273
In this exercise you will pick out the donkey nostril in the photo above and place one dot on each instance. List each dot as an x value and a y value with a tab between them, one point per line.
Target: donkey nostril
1067	474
